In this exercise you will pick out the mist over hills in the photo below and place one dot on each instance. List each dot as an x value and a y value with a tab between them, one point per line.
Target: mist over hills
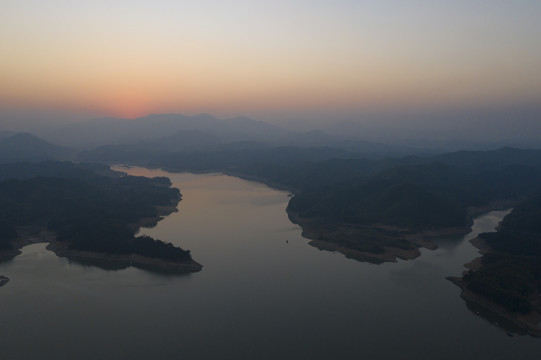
405	135
120	140
367	200
5	134
182	132
124	131
27	147
467	128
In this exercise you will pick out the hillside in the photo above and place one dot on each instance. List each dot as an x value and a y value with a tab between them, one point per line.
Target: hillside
27	147
344	199
507	278
85	216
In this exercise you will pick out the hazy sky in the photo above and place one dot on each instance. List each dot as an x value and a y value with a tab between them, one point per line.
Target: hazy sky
266	59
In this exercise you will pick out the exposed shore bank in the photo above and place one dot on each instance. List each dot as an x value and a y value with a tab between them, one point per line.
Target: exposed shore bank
529	322
382	237
100	259
378	239
120	261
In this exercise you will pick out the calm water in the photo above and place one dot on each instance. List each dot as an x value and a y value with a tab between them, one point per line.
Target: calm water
263	294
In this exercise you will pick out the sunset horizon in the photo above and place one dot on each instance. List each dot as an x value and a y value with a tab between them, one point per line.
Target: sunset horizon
267	61
287	179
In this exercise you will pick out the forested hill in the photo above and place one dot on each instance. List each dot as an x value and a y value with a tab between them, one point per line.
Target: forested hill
91	172
520	231
335	189
510	272
88	211
27	147
419	195
339	190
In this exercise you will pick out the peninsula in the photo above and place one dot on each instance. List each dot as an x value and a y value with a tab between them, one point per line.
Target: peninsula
88	213
507	278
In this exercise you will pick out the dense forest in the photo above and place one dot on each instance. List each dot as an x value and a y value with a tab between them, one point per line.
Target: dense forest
342	198
89	207
342	195
511	270
350	198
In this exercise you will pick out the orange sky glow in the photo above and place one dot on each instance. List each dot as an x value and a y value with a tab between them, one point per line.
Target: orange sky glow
130	60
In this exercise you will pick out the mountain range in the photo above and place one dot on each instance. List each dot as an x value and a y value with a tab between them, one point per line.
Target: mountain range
27	147
182	132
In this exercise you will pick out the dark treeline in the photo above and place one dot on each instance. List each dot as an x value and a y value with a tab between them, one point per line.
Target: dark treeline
435	193
511	272
344	192
87	210
335	187
473	178
414	192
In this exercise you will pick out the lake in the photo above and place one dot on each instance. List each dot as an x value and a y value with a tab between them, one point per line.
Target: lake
263	293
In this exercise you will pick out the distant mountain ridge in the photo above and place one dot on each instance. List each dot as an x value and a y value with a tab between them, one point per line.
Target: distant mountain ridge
115	131
27	147
211	131
5	134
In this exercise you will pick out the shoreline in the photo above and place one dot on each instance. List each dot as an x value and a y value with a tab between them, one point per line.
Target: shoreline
416	240
163	212
529	322
117	261
526	322
390	254
228	172
27	238
96	258
122	260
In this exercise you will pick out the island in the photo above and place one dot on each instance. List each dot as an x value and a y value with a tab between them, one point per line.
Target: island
88	213
507	278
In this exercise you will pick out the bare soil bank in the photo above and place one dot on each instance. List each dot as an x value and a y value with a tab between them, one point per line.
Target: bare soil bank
379	239
105	260
529	322
526	322
122	260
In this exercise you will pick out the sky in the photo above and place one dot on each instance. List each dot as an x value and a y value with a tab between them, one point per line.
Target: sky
294	61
